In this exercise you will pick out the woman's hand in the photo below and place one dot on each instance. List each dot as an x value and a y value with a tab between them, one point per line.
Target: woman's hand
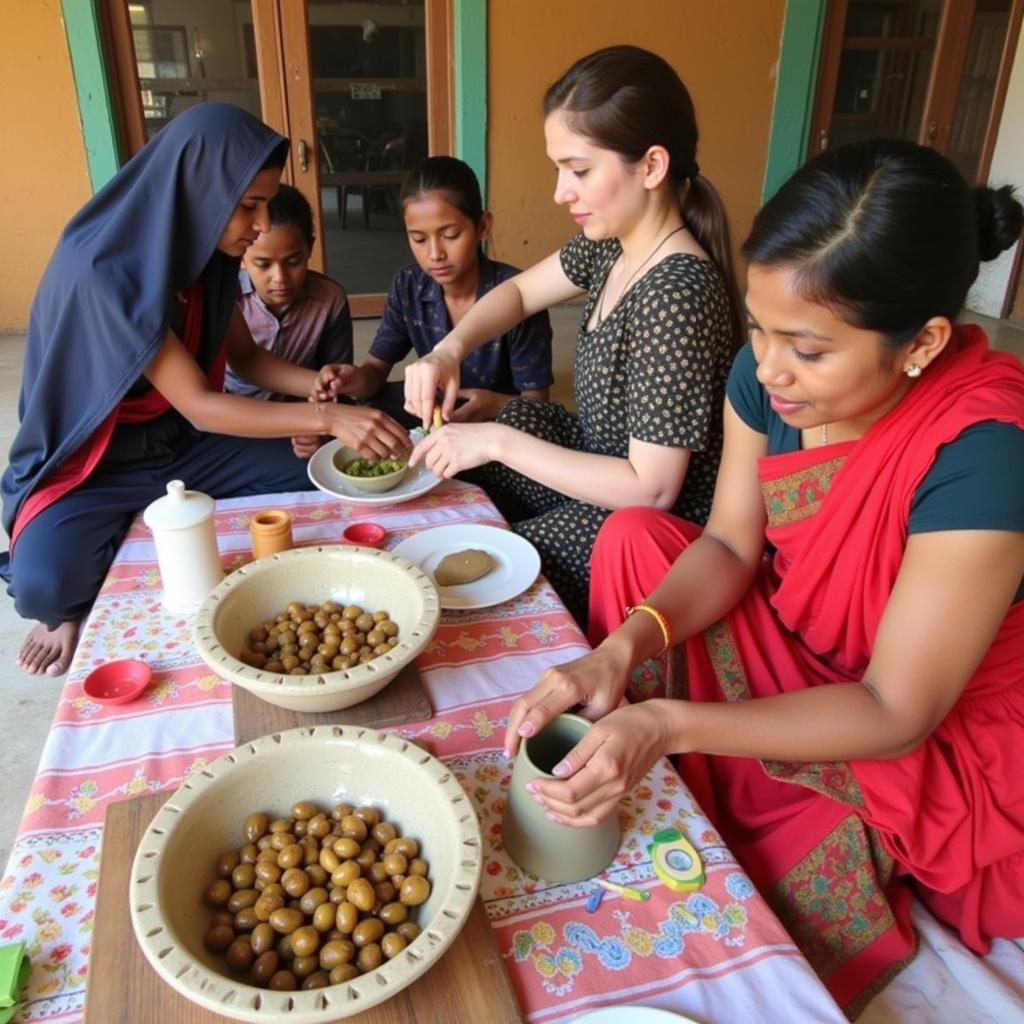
593	685
607	764
423	379
372	433
333	380
458	446
305	445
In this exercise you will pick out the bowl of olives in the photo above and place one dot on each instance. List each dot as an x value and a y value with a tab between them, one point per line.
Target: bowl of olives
306	876
372	475
317	628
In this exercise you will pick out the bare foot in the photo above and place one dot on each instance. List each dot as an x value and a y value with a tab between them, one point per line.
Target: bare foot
48	650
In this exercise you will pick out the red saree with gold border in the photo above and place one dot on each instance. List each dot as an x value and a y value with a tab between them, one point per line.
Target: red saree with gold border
834	846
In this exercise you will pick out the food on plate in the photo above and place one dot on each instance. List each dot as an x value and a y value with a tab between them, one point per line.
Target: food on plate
315	898
366	468
310	639
462	567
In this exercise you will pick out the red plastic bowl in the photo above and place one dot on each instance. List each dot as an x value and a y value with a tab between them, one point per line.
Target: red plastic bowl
369	535
117	682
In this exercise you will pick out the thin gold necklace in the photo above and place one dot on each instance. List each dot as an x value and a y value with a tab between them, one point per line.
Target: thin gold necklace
629	280
824	435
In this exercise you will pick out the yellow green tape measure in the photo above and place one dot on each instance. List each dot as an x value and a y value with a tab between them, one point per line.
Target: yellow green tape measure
675	860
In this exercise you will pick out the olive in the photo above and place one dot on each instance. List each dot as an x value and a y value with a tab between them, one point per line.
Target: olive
346	917
312	898
392	944
342	973
418	866
385	892
290	855
283	981
219	938
304	966
346	848
217	893
394	913
346	873
241	899
338	951
409	930
246	920
222	917
262	938
368	930
243	876
305	940
318	979
402	844
415	890
361	895
324	917
369	957
295	881
227	862
285	920
395	863
265	967
239	954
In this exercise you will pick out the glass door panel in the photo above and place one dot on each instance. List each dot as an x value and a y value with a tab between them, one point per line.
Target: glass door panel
884	69
369	83
977	86
188	51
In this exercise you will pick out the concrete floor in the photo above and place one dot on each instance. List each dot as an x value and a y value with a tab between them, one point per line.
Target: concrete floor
30	701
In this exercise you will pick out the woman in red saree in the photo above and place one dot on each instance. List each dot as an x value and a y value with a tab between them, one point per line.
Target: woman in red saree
853	613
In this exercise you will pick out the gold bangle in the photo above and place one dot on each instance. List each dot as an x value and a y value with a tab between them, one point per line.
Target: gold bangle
659	618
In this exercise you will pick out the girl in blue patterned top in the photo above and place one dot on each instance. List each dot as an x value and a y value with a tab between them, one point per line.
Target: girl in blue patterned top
446	223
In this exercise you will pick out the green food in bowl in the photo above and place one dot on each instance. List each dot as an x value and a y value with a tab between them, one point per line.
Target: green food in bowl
372	467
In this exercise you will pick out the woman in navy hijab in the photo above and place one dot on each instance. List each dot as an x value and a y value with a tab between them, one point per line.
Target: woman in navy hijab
128	335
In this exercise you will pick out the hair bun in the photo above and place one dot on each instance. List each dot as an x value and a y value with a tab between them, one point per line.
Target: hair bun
1000	220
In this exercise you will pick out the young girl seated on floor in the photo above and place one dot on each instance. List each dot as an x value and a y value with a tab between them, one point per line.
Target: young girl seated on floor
446	224
853	613
296	313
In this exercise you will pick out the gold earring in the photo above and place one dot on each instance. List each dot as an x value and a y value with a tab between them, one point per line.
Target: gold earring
913	370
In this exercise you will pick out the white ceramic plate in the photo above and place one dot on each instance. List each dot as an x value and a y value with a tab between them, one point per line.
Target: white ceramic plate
321	471
632	1015
517	562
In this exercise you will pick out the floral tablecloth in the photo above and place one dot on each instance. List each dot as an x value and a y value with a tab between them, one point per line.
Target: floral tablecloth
717	955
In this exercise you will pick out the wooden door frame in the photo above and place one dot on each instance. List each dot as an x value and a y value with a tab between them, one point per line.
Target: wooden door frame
102	58
950	54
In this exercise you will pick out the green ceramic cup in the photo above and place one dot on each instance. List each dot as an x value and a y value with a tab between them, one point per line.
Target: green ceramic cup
554	852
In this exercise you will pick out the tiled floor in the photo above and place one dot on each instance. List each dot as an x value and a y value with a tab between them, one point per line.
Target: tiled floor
29	701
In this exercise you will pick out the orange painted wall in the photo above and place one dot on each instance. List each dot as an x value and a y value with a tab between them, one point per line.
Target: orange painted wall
726	55
43	176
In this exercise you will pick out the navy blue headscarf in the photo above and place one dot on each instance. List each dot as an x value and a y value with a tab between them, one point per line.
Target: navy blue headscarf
104	304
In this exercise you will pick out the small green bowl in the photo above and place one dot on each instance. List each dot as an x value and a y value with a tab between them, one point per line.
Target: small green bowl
371	484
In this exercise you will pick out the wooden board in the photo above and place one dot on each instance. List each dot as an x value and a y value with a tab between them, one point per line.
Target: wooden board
469	983
402	700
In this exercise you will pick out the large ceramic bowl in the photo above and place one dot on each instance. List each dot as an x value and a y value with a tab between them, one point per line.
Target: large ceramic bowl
344	573
328	764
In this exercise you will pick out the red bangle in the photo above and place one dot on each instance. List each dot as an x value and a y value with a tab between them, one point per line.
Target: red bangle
662	621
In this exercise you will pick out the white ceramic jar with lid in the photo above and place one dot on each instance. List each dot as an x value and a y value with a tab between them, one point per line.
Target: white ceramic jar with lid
186	546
